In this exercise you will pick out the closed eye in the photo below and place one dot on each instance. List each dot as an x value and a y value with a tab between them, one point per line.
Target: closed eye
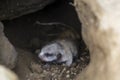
48	54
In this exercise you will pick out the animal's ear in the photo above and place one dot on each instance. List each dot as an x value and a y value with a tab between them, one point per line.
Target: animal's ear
59	56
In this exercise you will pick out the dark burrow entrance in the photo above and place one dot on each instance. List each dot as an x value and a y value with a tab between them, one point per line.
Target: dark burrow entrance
39	28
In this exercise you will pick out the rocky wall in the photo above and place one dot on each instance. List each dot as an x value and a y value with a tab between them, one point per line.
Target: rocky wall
101	33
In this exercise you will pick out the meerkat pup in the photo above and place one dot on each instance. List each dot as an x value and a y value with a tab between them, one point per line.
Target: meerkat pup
59	51
63	49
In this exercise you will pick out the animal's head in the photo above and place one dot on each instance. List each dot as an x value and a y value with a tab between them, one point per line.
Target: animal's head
51	52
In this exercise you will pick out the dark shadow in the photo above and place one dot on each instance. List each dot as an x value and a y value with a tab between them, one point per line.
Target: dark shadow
21	29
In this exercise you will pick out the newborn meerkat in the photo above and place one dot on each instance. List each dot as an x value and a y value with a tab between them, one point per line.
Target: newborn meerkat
63	49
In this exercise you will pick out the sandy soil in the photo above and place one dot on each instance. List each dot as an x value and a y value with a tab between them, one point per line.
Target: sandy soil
23	30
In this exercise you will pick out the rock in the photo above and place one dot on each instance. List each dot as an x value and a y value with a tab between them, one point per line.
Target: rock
14	8
6	74
101	33
8	54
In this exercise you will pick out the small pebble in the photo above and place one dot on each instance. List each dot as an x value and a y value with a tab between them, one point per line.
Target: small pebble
44	71
82	58
53	74
68	72
67	76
